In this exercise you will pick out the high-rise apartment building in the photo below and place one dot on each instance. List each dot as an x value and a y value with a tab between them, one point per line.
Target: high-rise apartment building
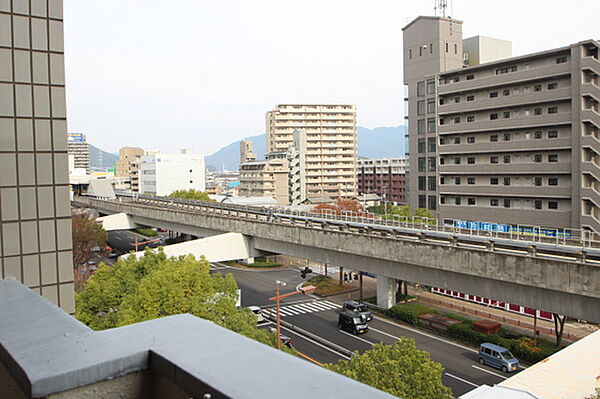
35	212
161	174
78	147
384	177
512	141
128	165
247	151
331	145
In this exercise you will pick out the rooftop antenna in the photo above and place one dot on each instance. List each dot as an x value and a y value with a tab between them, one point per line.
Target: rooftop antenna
441	5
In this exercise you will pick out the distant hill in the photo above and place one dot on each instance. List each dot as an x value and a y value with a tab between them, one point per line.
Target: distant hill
381	142
100	160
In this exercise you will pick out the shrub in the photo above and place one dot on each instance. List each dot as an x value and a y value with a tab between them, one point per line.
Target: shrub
264	264
146	232
409	312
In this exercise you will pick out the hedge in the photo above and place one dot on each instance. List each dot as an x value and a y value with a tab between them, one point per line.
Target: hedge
409	312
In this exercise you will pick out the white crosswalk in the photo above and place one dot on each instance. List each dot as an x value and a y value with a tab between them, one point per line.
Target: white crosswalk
301	308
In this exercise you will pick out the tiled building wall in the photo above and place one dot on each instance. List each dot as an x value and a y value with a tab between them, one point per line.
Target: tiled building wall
35	233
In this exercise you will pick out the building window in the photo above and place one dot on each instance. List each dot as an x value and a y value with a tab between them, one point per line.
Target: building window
456	161
432	203
442	101
506	114
442	200
431	86
421	126
471	98
430	48
470	118
493	159
442	121
493	117
507	203
537	158
410	54
552	110
561	60
506	159
455	48
537	87
502	71
431	144
420	51
506	92
446	46
457	201
537	204
457	140
537	181
430	125
493	202
506	181
552	205
471	201
470	180
456	100
421	146
421	183
537	134
421	107
494	181
420	88
506	137
431	106
553	158
552	134
552	86
494	137
457	119
421	164
431	183
493	94
457	180
442	141
537	111
422	201
552	181
470	140
470	77
432	164
442	180
471	160
442	160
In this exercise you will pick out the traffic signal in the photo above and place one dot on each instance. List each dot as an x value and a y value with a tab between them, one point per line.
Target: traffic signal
305	271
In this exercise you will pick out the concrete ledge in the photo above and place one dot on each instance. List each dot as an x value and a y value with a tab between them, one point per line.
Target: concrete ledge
46	351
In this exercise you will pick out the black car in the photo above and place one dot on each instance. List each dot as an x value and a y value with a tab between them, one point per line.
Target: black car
352	322
358	308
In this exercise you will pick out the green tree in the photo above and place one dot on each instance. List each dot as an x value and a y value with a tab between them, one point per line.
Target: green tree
400	369
190	194
155	286
424	213
87	234
595	395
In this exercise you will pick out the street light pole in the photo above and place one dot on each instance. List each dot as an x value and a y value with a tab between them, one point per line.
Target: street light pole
277	298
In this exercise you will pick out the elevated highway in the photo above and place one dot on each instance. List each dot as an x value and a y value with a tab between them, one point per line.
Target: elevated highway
556	274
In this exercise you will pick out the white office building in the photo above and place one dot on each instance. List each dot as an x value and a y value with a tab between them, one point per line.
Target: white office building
161	174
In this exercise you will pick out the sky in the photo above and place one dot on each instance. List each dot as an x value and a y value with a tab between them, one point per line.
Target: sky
201	74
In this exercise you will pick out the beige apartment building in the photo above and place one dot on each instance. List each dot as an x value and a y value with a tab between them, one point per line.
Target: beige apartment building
35	211
513	140
331	145
268	178
128	165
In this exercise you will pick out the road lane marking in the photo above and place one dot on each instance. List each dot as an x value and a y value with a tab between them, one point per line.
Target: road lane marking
313	341
489	372
461	379
357	337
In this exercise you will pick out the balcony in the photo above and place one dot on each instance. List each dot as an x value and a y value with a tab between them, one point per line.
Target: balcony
590	63
510	168
514	100
524	122
507	146
506	79
506	191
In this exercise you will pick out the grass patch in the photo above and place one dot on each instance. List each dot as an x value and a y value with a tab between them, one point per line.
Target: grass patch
327	285
147	232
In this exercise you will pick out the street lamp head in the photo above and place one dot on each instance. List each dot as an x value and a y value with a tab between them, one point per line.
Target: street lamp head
281	283
309	289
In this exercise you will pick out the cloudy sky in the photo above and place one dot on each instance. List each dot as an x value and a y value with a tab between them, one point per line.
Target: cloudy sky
201	74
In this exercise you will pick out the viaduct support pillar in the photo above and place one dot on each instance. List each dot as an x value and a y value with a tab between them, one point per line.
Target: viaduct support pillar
386	292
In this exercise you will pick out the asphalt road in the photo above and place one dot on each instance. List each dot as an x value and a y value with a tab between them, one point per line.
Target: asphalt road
462	371
123	240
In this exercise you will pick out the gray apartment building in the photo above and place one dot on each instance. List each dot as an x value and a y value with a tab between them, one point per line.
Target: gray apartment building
495	138
35	213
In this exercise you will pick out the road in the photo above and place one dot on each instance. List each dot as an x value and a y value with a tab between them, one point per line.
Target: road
122	240
319	316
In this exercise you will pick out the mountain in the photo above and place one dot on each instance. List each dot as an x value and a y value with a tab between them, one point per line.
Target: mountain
380	142
100	160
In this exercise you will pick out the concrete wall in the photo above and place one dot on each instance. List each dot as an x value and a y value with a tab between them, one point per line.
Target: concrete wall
562	287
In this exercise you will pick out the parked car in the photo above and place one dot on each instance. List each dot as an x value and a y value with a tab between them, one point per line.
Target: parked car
497	356
358	308
352	322
257	312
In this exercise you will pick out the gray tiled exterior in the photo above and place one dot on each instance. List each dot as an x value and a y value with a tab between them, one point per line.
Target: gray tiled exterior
513	141
35	215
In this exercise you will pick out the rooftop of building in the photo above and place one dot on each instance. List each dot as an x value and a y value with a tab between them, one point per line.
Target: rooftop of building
434	18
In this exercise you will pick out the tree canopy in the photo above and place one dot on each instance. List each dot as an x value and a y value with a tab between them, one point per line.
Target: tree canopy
403	212
190	194
155	286
400	369
87	234
341	206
